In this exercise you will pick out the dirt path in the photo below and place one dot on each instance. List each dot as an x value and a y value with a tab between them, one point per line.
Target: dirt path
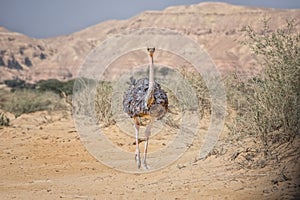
42	158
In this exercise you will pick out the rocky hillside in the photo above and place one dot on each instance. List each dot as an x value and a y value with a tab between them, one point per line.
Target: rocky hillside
216	26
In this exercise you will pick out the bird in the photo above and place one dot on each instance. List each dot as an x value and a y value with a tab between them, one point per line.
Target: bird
145	101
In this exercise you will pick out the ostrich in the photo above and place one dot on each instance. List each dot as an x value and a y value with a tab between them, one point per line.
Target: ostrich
145	100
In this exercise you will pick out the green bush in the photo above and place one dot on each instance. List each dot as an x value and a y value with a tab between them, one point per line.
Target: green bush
18	84
56	86
268	104
53	85
27	101
27	98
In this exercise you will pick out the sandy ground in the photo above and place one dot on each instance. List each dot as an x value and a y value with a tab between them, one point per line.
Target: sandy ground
42	157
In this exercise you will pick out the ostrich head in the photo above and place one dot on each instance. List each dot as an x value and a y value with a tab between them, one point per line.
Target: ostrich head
151	51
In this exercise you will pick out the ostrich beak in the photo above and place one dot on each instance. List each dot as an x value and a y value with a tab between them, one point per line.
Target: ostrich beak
151	51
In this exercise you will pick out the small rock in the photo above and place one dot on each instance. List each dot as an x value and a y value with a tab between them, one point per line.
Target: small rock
266	191
274	181
235	155
179	166
45	137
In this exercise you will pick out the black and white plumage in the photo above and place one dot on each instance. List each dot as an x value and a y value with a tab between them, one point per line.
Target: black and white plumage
134	99
145	100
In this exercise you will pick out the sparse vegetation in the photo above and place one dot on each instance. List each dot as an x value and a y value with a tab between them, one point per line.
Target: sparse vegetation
4	120
27	98
267	106
201	90
56	86
164	71
53	85
103	102
103	99
17	83
27	101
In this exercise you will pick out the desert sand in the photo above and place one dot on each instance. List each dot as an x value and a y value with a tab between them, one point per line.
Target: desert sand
42	157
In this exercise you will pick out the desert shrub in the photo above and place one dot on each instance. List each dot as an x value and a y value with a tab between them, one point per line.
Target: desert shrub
201	90
27	101
267	105
4	120
53	85
26	98
56	86
17	83
103	102
164	71
68	87
14	83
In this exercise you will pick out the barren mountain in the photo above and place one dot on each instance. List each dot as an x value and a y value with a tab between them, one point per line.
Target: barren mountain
215	26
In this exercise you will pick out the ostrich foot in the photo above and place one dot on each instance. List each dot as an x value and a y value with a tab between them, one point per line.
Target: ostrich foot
145	166
138	160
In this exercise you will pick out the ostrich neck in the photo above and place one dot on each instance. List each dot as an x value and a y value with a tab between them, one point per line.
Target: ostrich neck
151	74
150	90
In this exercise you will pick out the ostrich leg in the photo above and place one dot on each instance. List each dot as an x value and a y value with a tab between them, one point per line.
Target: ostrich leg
137	150
147	135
